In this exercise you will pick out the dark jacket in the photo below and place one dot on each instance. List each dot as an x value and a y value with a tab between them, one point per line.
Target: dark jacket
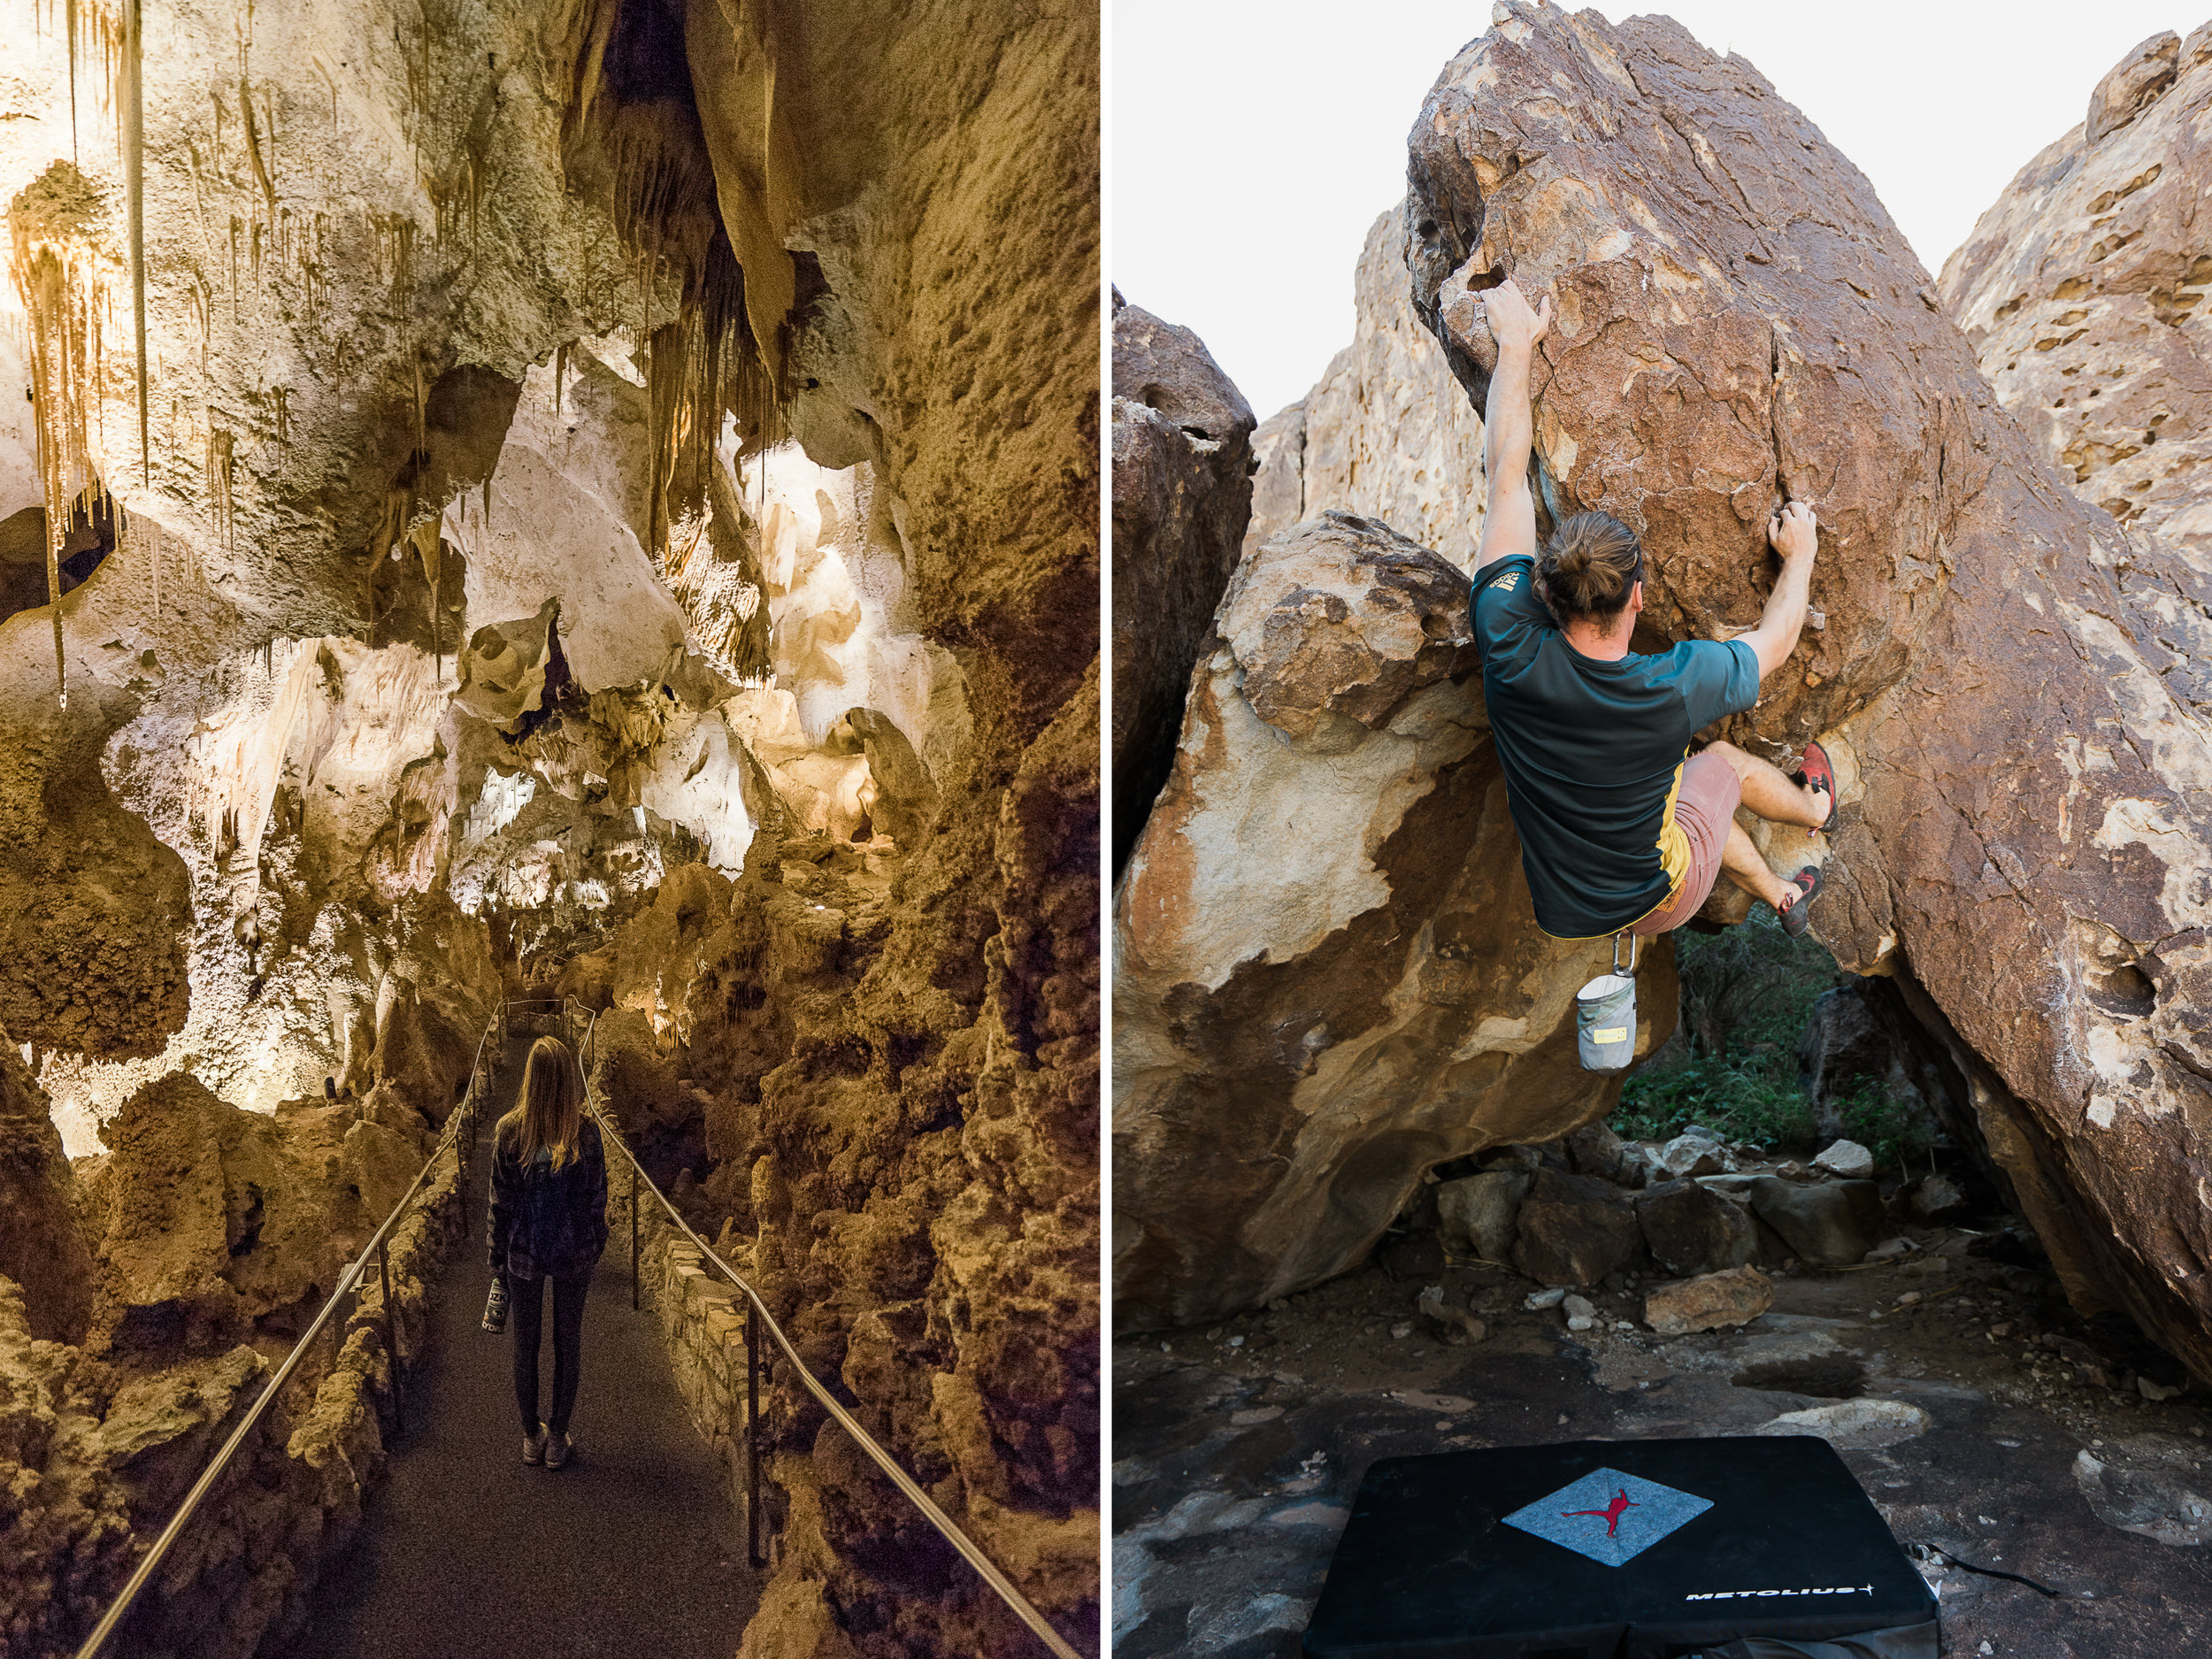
546	1223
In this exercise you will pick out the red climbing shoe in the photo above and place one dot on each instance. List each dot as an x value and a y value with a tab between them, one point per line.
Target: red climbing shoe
1795	919
1815	772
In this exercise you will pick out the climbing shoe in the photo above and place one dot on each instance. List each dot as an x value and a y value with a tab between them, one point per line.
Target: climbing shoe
534	1445
1816	773
557	1447
1795	914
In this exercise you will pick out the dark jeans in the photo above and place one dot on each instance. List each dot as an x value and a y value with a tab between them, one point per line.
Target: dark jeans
527	1312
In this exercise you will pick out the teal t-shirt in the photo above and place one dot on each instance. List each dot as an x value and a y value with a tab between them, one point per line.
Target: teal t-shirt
1593	752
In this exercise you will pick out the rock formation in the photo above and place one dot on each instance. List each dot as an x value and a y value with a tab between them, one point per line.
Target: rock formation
1385	433
583	445
1328	976
2079	291
2023	841
1183	462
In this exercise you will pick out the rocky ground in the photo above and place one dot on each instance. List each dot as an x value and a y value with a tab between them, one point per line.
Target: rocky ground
1998	1432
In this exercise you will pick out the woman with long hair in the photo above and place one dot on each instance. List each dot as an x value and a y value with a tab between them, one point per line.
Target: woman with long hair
548	1221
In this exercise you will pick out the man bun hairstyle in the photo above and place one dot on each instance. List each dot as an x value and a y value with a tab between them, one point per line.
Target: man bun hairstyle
1588	567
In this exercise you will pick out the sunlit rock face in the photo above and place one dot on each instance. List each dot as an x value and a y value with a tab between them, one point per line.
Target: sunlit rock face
2080	291
1385	433
1328	976
2023	838
507	564
1183	468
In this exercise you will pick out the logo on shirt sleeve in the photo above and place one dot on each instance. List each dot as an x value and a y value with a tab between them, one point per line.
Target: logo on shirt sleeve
1508	582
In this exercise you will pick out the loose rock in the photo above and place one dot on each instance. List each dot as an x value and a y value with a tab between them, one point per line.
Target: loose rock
1692	1230
1710	1302
1575	1231
1828	1224
1690	1155
2149	1502
1479	1214
1847	1159
1860	1424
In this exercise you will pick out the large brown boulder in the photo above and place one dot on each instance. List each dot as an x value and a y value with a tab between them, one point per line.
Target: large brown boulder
1328	975
2024	830
1386	432
2081	291
1182	492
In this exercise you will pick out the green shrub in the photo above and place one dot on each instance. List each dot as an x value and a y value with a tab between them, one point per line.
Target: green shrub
1747	993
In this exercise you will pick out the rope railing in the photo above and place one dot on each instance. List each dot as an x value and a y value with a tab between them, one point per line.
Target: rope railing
462	1118
947	1527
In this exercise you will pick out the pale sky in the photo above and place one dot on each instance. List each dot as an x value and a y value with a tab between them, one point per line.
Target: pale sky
1252	144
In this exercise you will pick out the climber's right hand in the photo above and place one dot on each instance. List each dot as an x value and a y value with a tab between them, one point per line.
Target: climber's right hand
1514	325
1793	532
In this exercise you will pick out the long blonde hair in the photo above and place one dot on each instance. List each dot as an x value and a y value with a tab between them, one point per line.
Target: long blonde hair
551	1109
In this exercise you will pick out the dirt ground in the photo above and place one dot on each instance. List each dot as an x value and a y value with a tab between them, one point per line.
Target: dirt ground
1238	1449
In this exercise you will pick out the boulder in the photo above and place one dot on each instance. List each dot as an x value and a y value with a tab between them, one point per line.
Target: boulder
1860	1036
1454	1323
1182	493
1596	1150
1847	1159
2088	275
1739	321
1329	978
1938	1197
2152	1501
1479	1214
1575	1231
1691	1229
1689	1155
1829	1224
1713	1302
1386	432
1854	1425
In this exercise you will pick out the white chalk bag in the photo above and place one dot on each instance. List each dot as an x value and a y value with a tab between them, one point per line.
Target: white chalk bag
1605	1014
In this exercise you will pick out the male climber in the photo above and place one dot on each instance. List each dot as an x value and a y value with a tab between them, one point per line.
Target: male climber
1619	831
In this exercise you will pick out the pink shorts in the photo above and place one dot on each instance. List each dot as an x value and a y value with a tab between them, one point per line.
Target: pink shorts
1704	808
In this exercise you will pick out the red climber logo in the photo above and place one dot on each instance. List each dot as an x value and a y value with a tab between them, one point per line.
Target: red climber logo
1610	1513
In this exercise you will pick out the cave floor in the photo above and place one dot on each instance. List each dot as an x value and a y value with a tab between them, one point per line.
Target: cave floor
465	1551
1238	1449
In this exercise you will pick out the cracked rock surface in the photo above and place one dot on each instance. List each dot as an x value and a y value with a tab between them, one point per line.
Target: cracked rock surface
2024	814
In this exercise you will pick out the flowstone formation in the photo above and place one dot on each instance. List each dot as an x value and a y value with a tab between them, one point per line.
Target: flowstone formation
1386	432
2080	291
1328	976
573	484
2024	829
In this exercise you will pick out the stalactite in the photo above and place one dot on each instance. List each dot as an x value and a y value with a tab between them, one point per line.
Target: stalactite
252	136
134	147
50	223
218	475
428	548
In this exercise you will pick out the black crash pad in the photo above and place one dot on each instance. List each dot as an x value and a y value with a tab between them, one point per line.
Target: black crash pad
1621	1549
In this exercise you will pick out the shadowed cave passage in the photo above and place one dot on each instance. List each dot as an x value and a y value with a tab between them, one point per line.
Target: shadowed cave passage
89	540
631	1547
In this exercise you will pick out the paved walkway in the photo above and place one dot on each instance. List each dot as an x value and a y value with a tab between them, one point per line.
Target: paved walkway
467	1552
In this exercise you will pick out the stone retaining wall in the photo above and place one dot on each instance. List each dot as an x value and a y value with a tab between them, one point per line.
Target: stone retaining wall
701	1320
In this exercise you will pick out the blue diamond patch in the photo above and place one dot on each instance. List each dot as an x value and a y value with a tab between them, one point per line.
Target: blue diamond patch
1609	1517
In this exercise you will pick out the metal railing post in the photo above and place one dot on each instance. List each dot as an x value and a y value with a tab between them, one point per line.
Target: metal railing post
752	1439
391	1334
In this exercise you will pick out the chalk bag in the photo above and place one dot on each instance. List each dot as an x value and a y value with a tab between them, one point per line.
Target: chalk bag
1605	1014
